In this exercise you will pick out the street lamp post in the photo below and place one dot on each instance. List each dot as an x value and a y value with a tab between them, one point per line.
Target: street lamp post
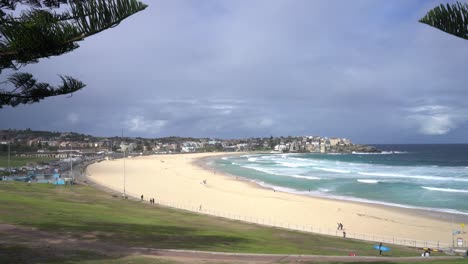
9	163
125	194
124	154
71	161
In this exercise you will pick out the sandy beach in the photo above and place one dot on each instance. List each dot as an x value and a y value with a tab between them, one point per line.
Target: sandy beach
179	180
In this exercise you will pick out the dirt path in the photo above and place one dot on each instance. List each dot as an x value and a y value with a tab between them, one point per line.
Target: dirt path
63	242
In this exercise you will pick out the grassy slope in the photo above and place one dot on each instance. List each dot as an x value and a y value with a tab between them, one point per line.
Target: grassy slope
20	161
81	210
151	260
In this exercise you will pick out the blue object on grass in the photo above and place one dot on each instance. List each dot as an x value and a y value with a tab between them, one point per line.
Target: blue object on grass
59	182
383	248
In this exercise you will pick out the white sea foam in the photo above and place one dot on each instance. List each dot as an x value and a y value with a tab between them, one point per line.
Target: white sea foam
304	177
368	181
361	200
269	171
379	153
290	164
445	190
252	159
294	166
224	158
301	159
332	170
424	177
261	170
324	193
367	153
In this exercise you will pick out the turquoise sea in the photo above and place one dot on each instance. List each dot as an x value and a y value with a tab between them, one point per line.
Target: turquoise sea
431	177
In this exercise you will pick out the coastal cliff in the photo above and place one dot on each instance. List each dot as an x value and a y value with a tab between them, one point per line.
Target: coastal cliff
354	149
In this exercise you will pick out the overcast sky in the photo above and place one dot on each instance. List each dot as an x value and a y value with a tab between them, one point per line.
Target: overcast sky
364	70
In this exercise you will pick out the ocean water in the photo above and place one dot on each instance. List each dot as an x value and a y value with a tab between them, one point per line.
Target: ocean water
431	177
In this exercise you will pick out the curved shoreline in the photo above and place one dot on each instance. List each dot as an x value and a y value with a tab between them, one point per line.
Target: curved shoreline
436	213
179	179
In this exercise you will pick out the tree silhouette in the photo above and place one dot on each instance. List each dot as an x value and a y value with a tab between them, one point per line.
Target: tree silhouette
452	19
46	28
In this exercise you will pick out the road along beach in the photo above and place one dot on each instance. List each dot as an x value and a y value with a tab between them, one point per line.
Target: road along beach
180	181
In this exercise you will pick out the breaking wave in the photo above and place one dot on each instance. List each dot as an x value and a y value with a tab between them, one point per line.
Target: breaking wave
445	190
368	181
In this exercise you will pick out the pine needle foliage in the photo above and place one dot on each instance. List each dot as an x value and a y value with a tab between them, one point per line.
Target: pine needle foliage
39	31
450	18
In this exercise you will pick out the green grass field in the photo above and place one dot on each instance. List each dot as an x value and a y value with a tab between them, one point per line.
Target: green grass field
148	260
82	212
16	161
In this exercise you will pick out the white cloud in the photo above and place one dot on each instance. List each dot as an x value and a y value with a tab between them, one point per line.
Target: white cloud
436	119
222	108
283	71
140	124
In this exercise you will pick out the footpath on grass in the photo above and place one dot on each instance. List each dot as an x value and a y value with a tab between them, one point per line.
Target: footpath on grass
279	258
55	243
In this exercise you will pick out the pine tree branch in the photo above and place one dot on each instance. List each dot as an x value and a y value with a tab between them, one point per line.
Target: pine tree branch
41	33
11	4
38	33
452	19
28	90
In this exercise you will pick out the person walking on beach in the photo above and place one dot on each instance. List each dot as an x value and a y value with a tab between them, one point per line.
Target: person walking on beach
380	249
344	234
142	197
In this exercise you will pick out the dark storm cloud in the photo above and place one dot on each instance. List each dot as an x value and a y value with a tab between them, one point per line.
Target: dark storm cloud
366	70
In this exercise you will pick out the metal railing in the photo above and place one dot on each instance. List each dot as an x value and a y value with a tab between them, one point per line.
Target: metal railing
310	229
